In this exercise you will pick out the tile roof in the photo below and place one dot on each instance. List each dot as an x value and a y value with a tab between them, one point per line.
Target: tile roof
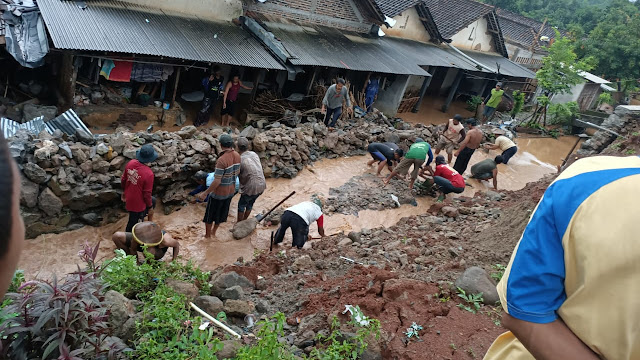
451	16
522	30
392	8
116	26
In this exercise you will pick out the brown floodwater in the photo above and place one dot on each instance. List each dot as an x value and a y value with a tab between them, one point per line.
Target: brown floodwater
58	252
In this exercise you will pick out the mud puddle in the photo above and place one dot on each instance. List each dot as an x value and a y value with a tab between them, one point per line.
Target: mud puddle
58	252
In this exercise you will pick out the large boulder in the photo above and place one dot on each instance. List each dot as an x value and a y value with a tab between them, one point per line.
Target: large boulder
260	142
244	228
49	202
35	173
239	308
32	111
120	308
28	193
209	304
249	132
182	287
233	293
475	280
84	137
229	349
200	146
227	280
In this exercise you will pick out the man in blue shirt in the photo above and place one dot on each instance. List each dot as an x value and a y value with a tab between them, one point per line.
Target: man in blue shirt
205	180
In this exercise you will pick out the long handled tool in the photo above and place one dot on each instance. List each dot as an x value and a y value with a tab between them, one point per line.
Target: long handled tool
244	228
261	217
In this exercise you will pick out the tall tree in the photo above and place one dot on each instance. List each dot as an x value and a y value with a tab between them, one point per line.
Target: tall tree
561	68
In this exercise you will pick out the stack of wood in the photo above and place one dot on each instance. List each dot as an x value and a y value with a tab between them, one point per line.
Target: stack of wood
267	103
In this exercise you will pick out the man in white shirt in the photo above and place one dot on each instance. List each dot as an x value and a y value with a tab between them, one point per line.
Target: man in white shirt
507	146
298	218
451	136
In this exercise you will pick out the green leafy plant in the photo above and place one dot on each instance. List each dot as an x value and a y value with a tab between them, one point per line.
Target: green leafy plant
561	68
473	301
268	347
412	331
563	114
518	102
605	98
337	347
473	102
59	321
165	330
630	152
16	281
499	272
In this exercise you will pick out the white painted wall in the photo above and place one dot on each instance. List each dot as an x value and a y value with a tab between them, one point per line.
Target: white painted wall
474	37
204	9
415	83
572	95
409	26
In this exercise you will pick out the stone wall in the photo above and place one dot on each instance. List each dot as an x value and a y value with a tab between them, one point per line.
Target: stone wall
615	122
72	181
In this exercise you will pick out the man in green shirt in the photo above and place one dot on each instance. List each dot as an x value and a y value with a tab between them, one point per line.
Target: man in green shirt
492	102
416	156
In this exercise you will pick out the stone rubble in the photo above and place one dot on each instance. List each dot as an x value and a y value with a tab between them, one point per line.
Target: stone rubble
67	177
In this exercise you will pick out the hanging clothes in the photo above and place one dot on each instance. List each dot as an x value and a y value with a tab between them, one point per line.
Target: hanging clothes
107	66
146	73
122	71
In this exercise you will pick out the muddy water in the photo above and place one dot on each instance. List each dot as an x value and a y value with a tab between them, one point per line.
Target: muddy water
58	252
430	112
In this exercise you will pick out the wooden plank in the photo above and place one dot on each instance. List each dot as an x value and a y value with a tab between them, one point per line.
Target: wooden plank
175	87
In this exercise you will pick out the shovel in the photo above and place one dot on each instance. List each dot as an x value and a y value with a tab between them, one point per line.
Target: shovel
244	228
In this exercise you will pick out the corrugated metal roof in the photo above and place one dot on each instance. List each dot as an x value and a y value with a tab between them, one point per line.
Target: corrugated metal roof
108	25
507	67
594	78
323	46
427	55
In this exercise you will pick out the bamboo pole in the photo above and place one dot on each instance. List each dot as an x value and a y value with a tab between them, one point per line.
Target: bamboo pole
213	320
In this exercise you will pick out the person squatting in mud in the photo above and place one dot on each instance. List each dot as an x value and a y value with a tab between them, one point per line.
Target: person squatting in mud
384	153
298	218
446	178
146	234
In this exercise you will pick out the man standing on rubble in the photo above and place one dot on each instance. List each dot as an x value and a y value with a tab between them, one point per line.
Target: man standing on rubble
416	156
492	102
252	181
452	135
571	288
212	88
468	146
332	103
137	185
222	188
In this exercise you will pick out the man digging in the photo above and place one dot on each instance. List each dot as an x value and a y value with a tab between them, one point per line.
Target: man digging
298	218
451	136
384	153
416	156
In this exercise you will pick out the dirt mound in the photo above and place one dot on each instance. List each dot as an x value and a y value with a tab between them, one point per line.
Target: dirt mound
368	192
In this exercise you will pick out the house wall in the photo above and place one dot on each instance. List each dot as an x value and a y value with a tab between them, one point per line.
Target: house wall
572	95
340	14
409	26
389	99
474	37
415	83
522	56
204	9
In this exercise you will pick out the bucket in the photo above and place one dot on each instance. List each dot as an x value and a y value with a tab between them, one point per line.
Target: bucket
165	106
157	103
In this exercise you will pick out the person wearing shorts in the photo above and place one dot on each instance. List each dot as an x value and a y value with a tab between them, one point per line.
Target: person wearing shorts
451	136
471	142
222	188
230	97
507	146
416	156
252	181
298	218
384	153
492	102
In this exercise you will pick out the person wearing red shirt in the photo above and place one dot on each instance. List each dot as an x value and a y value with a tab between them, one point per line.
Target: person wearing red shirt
137	184
447	179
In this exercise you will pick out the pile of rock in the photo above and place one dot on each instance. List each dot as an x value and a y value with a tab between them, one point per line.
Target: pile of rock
70	181
615	122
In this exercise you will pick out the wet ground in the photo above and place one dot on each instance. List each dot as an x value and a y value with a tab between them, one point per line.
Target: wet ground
58	252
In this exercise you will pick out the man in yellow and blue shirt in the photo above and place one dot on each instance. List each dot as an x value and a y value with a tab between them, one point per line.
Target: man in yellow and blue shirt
572	287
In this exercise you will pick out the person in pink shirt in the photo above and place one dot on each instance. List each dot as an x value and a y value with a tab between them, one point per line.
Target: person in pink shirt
230	97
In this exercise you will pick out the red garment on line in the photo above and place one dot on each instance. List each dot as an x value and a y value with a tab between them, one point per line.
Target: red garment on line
122	71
